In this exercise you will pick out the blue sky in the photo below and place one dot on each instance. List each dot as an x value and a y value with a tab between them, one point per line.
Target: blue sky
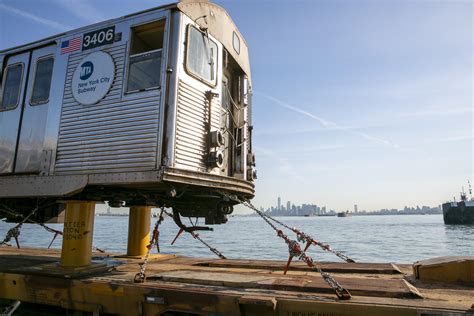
355	102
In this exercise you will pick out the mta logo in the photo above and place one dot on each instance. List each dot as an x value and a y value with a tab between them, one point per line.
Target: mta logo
87	69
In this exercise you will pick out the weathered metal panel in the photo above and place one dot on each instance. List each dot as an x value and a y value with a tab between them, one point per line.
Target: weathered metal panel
10	119
38	186
31	152
116	134
191	130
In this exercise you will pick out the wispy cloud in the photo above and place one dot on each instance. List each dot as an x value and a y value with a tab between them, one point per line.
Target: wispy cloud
439	112
329	124
310	130
457	138
35	18
83	10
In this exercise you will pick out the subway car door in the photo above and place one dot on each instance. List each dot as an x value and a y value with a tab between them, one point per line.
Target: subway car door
11	107
31	156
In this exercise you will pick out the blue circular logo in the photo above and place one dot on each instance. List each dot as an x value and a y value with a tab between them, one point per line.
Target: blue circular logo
87	69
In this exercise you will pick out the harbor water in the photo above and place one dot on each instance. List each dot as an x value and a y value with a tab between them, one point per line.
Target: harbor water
389	238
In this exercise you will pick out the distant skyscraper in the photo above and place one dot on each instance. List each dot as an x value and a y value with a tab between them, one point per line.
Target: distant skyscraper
355	208
288	206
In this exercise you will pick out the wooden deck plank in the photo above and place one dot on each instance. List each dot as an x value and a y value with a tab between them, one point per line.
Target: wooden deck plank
357	286
337	267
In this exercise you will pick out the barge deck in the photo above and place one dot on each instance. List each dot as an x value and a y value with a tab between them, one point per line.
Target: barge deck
196	286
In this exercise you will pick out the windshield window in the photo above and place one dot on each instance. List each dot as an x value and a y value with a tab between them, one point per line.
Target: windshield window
201	55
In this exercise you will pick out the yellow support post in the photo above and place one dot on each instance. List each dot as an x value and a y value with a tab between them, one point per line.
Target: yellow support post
138	230
77	235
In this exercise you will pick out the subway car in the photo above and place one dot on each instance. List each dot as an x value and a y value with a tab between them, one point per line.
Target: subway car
153	108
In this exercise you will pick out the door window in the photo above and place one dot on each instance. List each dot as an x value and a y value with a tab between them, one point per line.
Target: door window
42	81
12	86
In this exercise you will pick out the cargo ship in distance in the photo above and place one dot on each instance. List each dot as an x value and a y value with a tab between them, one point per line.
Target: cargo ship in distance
460	213
344	214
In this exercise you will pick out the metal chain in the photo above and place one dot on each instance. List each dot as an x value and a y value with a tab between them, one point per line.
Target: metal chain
249	205
9	211
295	249
301	236
15	231
196	236
12	231
140	276
214	250
98	249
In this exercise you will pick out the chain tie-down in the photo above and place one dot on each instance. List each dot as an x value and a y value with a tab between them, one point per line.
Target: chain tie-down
214	250
295	249
140	277
191	230
305	238
15	231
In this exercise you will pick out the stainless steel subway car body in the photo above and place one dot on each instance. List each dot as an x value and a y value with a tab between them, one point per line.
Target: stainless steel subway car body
153	108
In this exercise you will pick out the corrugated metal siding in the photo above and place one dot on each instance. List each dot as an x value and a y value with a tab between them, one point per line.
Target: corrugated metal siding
191	133
112	135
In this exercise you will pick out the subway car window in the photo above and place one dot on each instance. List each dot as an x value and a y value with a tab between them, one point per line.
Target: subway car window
201	55
144	65
11	90
236	42
42	81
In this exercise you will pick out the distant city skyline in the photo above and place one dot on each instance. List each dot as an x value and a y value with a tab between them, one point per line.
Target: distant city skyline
313	209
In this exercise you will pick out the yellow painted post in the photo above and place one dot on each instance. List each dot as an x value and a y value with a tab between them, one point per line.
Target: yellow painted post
77	235
138	230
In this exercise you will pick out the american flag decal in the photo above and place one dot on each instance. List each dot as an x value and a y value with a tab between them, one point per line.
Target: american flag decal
69	46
